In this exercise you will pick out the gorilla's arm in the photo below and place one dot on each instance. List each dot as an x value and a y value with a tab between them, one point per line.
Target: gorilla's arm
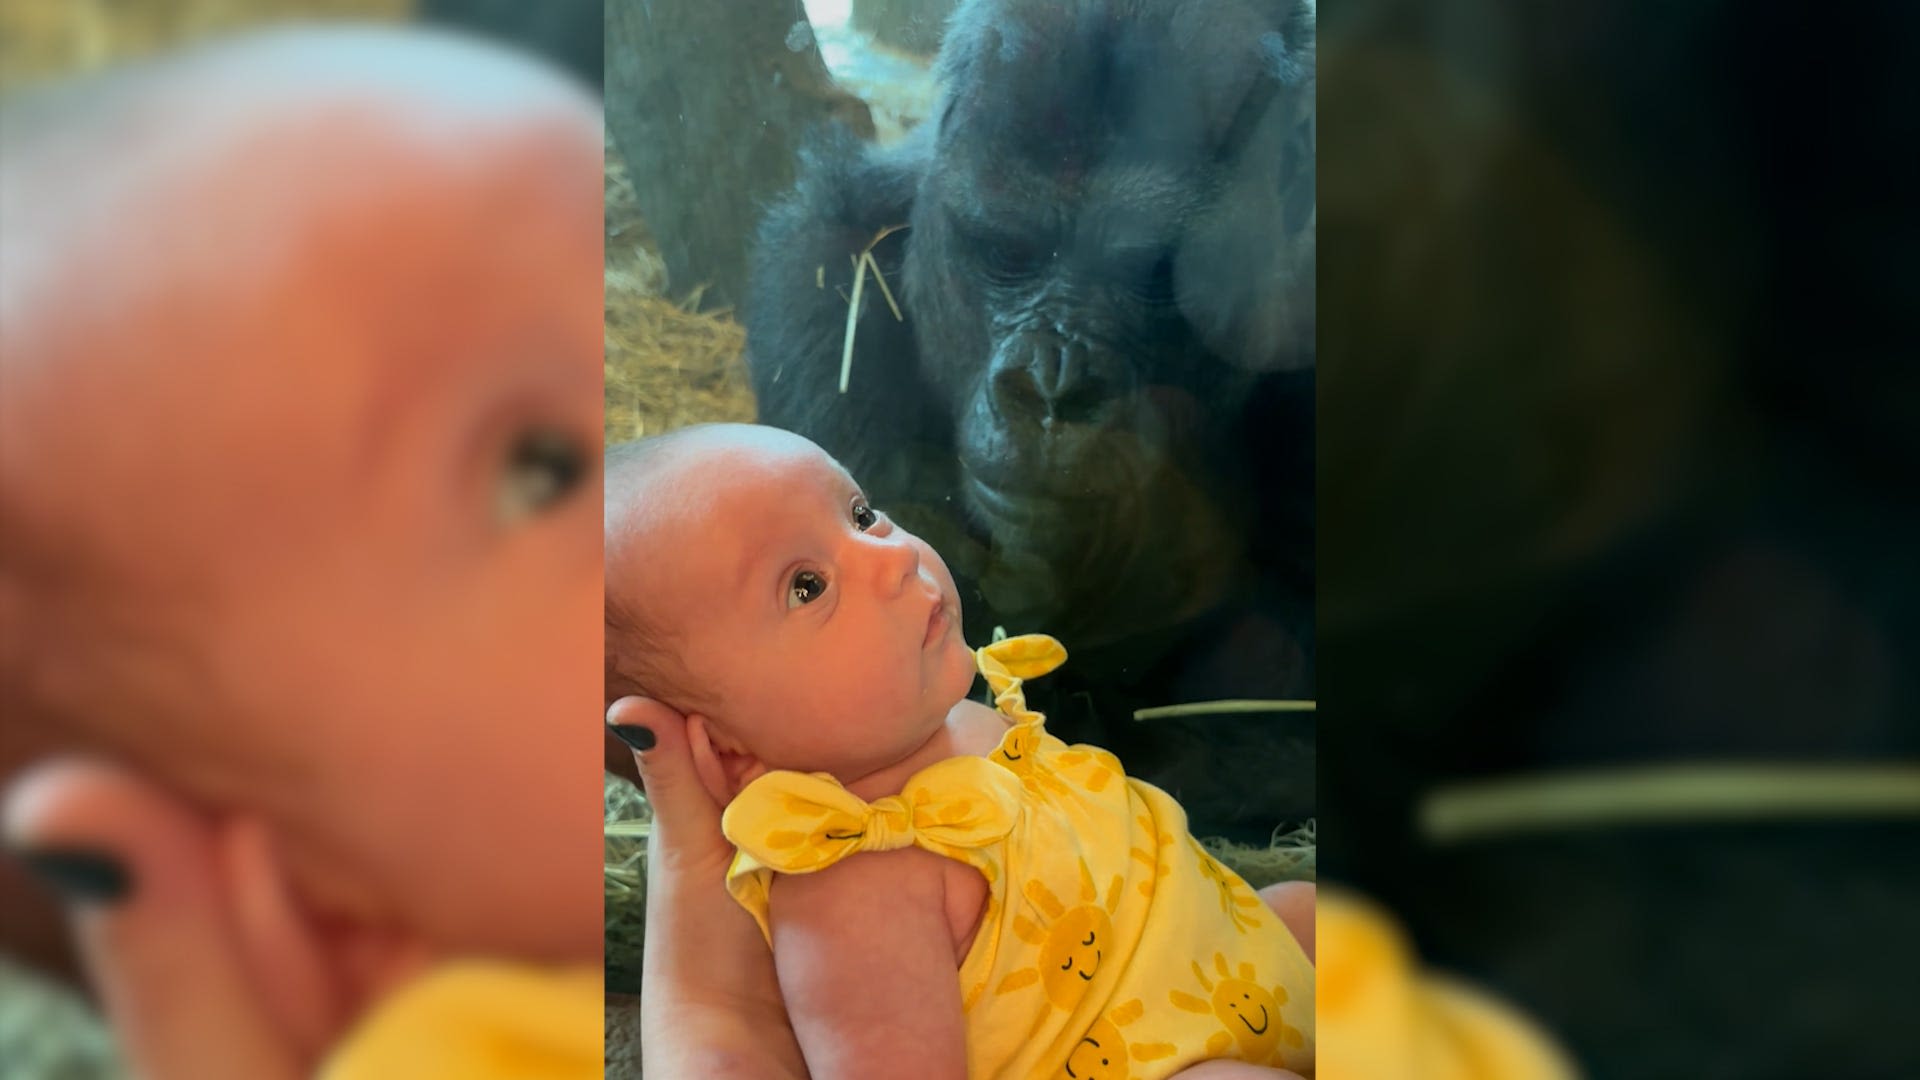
888	427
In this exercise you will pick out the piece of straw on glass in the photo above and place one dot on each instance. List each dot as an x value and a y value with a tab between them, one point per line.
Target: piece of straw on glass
1214	708
861	264
1669	795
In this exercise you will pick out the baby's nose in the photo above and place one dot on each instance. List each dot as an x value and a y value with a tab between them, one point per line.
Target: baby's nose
899	565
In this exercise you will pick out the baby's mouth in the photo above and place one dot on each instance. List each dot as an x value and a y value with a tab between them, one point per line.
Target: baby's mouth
936	625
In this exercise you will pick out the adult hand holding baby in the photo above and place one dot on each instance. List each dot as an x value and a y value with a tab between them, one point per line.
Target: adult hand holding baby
710	1006
201	970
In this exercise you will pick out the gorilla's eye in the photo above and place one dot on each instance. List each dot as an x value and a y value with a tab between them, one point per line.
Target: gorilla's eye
1155	286
542	467
864	517
1008	261
806	587
1004	257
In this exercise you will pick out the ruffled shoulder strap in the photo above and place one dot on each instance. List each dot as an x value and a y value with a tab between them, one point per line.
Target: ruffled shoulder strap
1009	663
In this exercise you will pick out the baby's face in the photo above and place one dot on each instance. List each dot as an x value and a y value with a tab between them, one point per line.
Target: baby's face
827	637
340	456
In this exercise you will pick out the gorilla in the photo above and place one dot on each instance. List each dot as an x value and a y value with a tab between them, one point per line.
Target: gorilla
1095	397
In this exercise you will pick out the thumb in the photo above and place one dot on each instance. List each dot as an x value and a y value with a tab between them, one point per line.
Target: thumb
659	737
154	922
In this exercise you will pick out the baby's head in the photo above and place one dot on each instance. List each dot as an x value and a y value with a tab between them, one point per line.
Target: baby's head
300	345
749	582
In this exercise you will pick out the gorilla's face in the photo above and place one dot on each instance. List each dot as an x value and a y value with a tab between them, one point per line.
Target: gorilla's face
1064	302
1078	401
1050	266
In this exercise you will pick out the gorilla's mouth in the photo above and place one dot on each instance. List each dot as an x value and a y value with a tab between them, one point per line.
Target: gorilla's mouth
1009	511
1012	507
1045	550
1020	477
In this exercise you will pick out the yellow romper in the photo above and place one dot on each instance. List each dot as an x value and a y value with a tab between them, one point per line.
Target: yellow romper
479	1019
1112	944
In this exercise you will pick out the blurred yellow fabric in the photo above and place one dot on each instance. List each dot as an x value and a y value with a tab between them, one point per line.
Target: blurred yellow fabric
475	1021
1380	1018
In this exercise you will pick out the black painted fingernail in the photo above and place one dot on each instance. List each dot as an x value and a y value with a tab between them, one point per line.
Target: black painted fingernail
638	736
86	876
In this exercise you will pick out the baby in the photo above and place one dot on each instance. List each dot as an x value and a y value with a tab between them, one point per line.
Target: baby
300	347
947	889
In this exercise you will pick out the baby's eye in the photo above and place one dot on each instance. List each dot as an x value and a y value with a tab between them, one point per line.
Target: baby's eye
542	467
806	587
864	516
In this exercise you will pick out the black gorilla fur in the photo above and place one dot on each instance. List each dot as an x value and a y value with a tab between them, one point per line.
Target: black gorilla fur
1099	404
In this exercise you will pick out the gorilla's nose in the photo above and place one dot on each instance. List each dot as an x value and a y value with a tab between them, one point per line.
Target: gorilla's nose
1043	377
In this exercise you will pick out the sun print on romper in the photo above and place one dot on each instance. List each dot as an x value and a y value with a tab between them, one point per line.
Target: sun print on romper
1155	859
1102	1054
1072	940
1104	770
1237	902
821	841
1020	753
1249	1012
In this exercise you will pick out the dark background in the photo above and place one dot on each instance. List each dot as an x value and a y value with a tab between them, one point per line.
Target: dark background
1620	465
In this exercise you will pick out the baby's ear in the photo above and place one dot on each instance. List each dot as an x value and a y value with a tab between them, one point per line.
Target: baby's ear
725	766
295	967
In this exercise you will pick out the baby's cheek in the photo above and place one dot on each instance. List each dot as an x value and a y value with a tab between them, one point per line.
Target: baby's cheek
551	599
961	668
937	566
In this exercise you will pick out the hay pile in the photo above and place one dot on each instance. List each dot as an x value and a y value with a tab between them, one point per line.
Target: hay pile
1292	854
667	365
628	822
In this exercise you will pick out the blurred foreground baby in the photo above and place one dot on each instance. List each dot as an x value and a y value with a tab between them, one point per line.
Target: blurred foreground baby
300	543
947	889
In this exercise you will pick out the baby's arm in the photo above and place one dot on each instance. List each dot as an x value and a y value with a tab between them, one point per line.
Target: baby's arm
866	958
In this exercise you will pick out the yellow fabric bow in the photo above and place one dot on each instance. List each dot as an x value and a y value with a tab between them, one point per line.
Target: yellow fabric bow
795	822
